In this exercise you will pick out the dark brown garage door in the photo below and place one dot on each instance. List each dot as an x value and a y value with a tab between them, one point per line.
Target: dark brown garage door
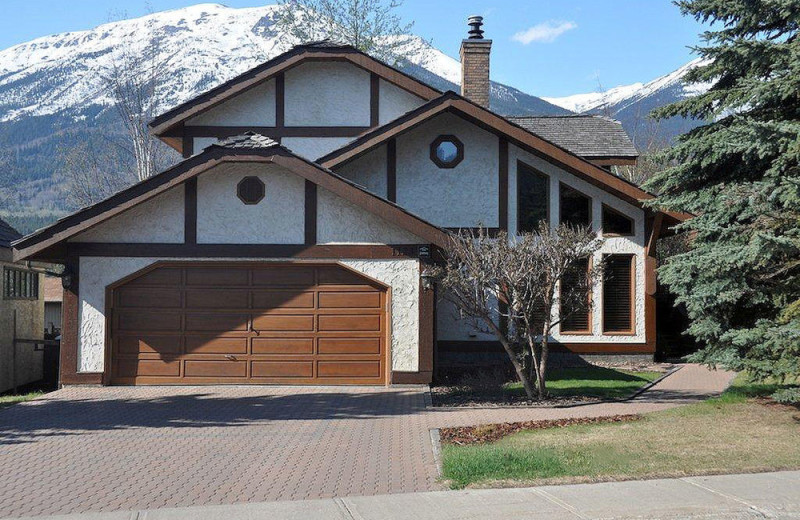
238	324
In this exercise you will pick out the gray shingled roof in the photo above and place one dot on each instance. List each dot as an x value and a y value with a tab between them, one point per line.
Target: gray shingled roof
248	140
7	234
587	136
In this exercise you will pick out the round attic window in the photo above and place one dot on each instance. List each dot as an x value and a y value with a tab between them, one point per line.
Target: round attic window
447	151
250	190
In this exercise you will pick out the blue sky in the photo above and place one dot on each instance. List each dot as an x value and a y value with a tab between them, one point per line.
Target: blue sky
545	48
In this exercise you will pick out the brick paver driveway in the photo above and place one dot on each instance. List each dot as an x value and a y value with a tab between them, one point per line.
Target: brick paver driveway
113	448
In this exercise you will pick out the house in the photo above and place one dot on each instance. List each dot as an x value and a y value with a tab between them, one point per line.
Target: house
291	243
52	305
21	304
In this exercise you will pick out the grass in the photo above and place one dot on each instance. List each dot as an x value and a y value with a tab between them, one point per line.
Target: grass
729	434
8	400
606	383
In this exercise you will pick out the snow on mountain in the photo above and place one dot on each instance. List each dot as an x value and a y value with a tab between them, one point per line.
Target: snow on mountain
625	95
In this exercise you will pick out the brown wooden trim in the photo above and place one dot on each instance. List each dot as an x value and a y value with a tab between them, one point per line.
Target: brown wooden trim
502	184
374	99
187	146
275	132
280	101
577	348
427	325
391	170
190	211
459	151
483	118
612	161
653	228
606	207
162	124
311	213
411	378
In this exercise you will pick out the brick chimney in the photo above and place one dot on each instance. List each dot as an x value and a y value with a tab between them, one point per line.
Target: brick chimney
475	64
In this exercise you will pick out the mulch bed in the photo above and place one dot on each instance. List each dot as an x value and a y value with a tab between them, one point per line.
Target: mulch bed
451	396
466	435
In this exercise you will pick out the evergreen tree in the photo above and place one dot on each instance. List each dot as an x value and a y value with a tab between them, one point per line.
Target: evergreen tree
739	175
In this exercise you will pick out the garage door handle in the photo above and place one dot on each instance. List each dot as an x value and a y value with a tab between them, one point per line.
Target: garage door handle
230	358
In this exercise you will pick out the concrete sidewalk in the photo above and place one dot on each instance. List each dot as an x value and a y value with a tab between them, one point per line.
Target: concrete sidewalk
760	495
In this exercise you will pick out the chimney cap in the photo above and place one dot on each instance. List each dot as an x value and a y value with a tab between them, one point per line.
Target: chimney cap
475	23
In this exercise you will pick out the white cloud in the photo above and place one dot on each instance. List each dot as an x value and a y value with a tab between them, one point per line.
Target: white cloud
545	32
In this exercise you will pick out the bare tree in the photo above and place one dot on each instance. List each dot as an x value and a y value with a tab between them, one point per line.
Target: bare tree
91	172
370	26
520	279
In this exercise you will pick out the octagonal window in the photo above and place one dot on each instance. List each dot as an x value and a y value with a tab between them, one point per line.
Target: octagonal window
250	190
447	151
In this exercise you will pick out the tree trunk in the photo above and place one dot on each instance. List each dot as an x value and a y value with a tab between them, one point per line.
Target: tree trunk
518	368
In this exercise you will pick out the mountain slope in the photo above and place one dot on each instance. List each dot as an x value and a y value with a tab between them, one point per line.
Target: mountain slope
631	105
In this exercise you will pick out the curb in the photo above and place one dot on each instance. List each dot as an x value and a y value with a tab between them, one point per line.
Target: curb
436	445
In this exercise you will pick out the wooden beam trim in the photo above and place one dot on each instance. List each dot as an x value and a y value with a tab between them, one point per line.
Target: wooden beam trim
276	132
280	101
137	250
391	170
310	213
187	146
190	211
374	99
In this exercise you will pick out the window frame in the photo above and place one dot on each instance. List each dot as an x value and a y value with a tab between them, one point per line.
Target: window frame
459	151
533	171
632	297
26	280
561	186
605	207
590	319
240	195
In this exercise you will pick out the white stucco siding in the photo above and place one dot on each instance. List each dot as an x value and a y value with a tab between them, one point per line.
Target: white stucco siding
158	220
451	326
327	94
97	273
341	222
222	218
393	102
368	171
312	148
464	196
201	143
254	107
612	245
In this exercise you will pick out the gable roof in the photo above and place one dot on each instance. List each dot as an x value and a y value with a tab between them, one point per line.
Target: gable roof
450	102
591	137
325	50
248	148
7	234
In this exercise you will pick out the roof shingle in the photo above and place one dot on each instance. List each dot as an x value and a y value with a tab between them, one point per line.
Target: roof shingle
587	136
7	234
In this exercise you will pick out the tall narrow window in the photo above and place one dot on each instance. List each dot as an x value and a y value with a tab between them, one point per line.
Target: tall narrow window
616	224
533	198
618	277
575	207
575	308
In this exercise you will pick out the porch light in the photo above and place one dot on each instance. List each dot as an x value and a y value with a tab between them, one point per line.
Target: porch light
428	279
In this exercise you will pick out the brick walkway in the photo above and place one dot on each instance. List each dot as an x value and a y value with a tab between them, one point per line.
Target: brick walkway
106	449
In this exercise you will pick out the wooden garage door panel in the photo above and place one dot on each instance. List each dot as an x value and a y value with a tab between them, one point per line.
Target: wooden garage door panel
148	321
248	323
286	276
303	369
148	367
345	322
149	345
283	299
349	369
143	297
348	300
215	345
217	276
283	346
349	345
220	322
283	323
197	368
217	298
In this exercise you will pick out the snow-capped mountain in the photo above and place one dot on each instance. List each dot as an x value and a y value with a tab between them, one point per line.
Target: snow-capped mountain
632	103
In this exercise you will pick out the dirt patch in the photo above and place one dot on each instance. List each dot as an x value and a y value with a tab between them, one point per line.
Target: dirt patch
459	397
491	432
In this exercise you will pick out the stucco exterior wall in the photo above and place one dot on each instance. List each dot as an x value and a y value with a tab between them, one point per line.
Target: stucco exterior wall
393	102
255	107
312	148
341	222
368	171
327	94
30	325
201	143
97	273
158	220
222	218
464	196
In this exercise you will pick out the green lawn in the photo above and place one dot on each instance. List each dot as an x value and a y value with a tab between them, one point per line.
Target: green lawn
8	400
732	433
600	382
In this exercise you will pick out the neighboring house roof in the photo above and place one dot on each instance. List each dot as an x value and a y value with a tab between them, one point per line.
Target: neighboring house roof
325	50
248	148
591	137
7	234
484	118
53	290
